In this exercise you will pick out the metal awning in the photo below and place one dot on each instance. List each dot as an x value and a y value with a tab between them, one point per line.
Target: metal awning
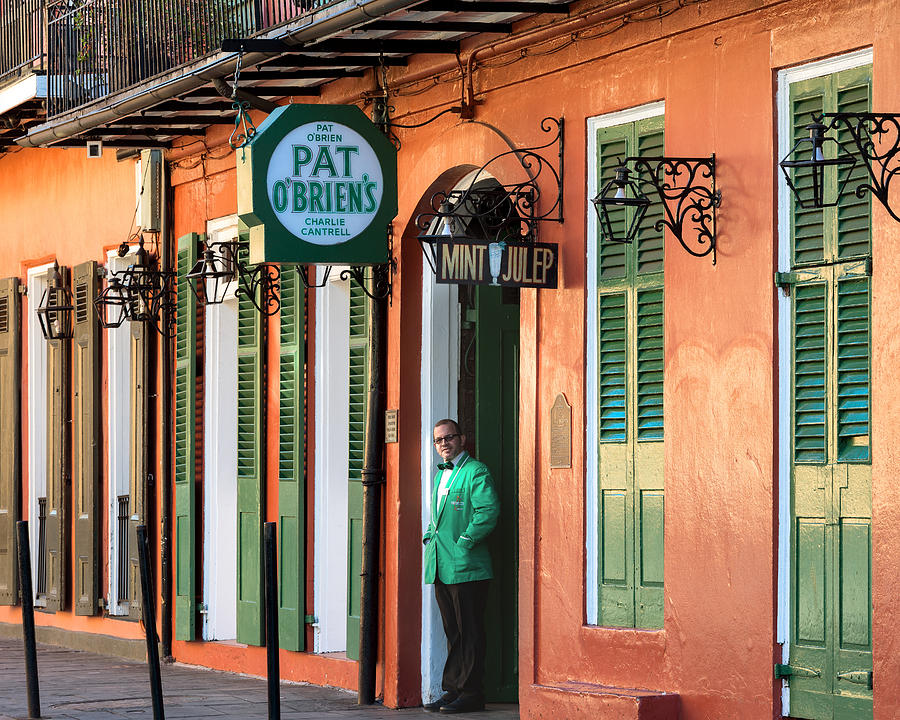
345	39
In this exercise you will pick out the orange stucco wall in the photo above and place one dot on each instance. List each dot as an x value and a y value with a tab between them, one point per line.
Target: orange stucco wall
714	64
59	205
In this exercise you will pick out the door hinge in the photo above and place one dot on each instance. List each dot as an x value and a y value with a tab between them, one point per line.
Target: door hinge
784	281
784	672
310	619
859	677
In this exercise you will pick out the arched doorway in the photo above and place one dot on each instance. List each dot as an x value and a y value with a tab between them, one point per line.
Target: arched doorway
470	371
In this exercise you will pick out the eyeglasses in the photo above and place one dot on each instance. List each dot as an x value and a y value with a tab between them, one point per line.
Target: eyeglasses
445	438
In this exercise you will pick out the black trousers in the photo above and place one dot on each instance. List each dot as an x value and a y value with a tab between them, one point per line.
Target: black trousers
462	607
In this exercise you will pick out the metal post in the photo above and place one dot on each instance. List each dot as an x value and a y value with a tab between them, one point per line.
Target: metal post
372	481
31	669
149	618
273	673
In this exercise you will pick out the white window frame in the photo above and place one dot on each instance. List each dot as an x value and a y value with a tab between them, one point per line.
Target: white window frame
220	455
37	279
332	465
119	388
591	445
786	78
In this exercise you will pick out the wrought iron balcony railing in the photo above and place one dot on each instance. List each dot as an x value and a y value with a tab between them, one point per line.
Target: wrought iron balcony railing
21	37
100	47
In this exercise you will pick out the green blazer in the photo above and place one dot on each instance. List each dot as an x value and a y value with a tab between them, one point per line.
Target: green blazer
455	550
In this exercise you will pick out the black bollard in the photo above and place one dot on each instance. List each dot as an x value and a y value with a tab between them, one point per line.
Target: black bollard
272	669
31	670
149	618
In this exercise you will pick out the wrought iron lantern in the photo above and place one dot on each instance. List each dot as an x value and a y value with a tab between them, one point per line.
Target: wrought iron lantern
686	188
55	309
620	192
807	162
211	275
222	263
874	141
112	303
141	293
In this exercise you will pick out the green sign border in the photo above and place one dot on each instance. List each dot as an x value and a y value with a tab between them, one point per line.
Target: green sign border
270	241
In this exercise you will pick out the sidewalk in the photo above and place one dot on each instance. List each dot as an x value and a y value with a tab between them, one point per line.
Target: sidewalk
78	685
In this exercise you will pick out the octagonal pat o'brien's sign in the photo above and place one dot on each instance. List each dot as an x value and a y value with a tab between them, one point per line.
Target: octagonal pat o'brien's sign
318	184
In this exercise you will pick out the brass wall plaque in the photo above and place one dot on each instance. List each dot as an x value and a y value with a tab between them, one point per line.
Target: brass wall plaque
561	433
390	426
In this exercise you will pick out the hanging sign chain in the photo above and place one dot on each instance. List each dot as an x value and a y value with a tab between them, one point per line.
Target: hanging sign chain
244	129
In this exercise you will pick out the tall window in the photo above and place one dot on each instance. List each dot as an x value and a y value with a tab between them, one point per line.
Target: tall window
829	288
628	424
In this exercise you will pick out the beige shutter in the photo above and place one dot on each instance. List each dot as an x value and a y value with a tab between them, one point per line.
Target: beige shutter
86	439
10	434
58	477
139	465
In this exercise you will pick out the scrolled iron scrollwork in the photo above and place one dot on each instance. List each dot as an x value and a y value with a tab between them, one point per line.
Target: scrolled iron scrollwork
261	285
380	287
488	209
876	138
687	189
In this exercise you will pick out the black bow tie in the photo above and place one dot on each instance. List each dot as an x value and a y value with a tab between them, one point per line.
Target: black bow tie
446	466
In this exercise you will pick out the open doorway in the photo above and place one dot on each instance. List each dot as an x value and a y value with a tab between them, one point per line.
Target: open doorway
470	371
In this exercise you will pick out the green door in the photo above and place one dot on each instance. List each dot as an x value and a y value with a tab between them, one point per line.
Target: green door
831	628
496	443
830	660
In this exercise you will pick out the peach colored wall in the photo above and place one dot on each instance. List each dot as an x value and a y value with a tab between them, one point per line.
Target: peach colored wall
57	204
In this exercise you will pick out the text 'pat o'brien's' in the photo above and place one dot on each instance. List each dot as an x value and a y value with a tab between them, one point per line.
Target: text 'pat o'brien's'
318	192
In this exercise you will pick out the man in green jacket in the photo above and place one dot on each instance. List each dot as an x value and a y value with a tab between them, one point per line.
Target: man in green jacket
464	511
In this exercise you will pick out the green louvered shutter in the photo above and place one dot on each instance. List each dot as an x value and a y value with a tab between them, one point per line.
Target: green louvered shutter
831	607
251	441
359	337
185	442
10	434
613	146
616	532
58	480
86	434
650	241
810	350
649	459
139	460
853	221
807	229
291	464
853	352
630	400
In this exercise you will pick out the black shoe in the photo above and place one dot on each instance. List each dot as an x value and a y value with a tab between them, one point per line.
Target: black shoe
464	704
444	699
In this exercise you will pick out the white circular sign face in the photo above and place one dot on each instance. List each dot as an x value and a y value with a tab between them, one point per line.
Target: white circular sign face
324	183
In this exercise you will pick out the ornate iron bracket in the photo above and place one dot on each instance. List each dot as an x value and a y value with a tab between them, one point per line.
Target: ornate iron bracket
153	303
687	190
501	212
222	263
383	284
260	284
876	137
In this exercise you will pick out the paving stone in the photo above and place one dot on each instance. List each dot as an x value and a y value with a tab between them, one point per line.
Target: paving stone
78	685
